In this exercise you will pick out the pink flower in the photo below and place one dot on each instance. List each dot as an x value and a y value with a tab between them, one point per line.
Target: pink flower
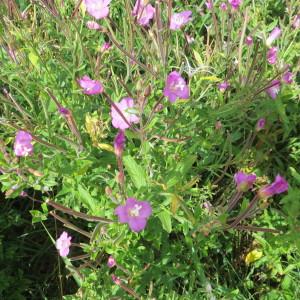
260	125
23	145
272	55
144	13
235	4
106	46
223	6
63	244
279	186
223	86
275	34
249	40
92	25
274	89
97	8
126	106
288	77
111	262
180	19
119	143
135	213
116	279
90	86
296	22
23	194
244	181
64	111
209	4
176	87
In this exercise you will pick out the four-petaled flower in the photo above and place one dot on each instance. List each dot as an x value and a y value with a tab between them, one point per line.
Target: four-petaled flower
274	89
260	125
116	279
249	40
235	4
90	86
180	19
105	46
92	25
272	55
176	87
209	4
135	213
296	22
280	185
23	145
223	6
275	34
223	86
288	77
119	143
64	111
111	262
99	9
127	109
244	181
143	12
63	244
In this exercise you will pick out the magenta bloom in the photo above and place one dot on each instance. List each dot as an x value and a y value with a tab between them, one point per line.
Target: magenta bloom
135	213
279	186
288	77
272	55
260	125
64	111
223	6
92	25
209	4
274	89
126	106
116	279
22	145
223	86
63	244
275	34
176	87
97	8
119	143
180	19
249	40
235	4
296	22
106	46
144	13
90	86
111	262
244	181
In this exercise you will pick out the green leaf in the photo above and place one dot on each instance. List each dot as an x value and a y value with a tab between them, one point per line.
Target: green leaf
135	171
186	164
37	216
166	221
34	59
86	198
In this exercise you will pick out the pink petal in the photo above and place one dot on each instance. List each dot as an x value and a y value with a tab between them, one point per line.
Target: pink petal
137	224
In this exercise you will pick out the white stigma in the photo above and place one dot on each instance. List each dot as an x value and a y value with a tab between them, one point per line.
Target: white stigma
135	212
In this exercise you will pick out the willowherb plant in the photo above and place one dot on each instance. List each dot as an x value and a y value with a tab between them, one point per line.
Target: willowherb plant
188	107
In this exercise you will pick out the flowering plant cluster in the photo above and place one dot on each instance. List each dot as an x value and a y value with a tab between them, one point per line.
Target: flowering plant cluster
153	131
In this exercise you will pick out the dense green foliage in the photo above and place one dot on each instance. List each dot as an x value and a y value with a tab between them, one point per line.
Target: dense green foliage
181	158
